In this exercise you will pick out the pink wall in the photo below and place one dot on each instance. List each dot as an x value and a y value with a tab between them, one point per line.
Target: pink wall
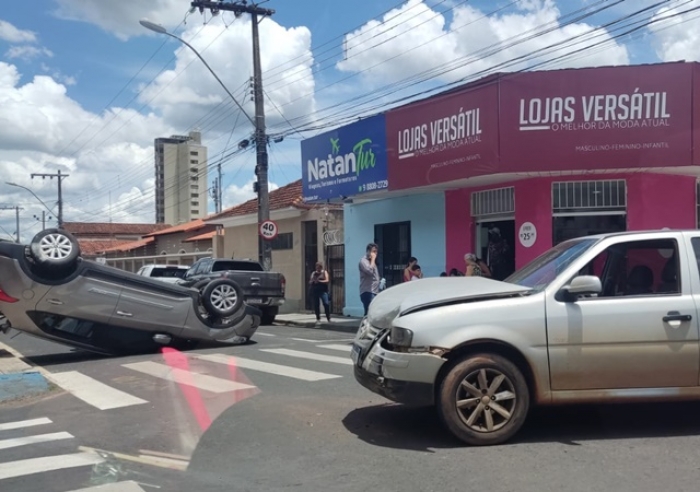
459	228
654	201
533	203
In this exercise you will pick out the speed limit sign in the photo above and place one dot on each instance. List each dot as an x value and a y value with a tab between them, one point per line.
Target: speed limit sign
268	230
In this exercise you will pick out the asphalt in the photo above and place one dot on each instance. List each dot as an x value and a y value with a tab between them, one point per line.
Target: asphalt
333	435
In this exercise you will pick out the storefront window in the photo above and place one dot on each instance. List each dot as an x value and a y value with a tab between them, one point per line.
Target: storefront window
583	208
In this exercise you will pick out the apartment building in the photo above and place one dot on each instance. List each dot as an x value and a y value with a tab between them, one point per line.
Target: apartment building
181	178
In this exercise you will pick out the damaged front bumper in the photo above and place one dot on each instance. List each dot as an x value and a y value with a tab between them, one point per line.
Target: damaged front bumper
403	377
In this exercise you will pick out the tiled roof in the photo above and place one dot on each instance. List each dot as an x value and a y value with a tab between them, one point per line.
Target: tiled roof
130	246
287	196
91	248
112	228
186	227
202	237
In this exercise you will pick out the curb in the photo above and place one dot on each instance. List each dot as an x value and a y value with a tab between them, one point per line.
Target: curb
322	326
20	380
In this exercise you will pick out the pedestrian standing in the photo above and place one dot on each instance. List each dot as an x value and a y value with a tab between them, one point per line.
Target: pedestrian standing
319	291
369	276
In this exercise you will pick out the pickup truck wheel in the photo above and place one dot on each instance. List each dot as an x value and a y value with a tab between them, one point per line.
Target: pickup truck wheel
483	399
222	297
268	315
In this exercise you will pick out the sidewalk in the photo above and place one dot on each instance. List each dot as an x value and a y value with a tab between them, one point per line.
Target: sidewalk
344	324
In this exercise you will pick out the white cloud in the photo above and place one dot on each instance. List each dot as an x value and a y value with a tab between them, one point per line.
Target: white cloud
11	34
235	195
189	91
414	38
27	52
122	17
676	37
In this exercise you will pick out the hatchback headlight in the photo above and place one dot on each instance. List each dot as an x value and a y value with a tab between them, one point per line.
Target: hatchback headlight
401	337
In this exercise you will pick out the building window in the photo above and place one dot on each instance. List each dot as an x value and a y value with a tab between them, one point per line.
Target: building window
589	196
194	152
499	201
283	241
194	212
193	161
194	204
194	187
194	195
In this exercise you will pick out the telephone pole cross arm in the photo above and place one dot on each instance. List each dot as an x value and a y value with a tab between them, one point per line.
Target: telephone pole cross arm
261	169
60	177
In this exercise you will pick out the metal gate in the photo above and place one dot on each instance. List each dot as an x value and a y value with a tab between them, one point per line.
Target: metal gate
336	268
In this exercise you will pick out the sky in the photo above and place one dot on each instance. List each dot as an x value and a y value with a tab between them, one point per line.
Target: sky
85	89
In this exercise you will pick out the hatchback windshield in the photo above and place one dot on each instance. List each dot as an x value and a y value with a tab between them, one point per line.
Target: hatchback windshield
540	272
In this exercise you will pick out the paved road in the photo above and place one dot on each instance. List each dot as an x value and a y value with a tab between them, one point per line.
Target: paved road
285	414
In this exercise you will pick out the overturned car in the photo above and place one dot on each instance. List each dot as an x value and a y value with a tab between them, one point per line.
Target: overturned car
48	290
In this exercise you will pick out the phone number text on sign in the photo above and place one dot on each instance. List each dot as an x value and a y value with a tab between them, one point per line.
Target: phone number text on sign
527	234
377	185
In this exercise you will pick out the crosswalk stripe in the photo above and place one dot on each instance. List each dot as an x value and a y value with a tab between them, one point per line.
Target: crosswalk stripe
181	376
21	424
278	369
333	346
20	468
310	356
24	441
93	392
129	486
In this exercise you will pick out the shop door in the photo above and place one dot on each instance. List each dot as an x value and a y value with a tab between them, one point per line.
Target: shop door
496	246
336	269
310	230
394	241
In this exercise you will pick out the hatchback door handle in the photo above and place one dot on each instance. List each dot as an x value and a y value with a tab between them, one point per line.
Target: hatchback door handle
122	313
55	302
676	316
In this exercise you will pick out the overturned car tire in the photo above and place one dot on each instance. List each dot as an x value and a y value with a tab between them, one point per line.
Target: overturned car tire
54	249
222	298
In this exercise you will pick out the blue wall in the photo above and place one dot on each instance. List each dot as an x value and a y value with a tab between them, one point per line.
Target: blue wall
427	216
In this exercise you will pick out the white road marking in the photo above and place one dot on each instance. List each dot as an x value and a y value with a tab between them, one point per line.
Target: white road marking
265	334
24	441
93	392
129	486
310	356
21	468
278	369
181	376
332	346
21	424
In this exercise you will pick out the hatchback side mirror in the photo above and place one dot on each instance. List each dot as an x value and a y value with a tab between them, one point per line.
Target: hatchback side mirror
582	286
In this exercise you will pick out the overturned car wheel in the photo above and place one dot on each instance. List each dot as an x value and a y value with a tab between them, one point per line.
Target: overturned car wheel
55	249
222	298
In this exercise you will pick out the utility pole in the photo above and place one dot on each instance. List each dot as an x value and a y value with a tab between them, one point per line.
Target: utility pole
240	7
60	177
216	191
16	209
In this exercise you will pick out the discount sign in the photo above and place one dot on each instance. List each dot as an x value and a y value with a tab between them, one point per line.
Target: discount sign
268	230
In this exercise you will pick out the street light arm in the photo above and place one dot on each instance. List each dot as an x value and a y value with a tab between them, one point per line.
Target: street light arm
212	72
30	191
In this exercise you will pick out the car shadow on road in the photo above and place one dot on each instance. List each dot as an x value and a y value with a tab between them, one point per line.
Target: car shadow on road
400	427
59	358
419	429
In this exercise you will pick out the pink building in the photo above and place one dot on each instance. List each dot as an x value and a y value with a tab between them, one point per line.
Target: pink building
538	157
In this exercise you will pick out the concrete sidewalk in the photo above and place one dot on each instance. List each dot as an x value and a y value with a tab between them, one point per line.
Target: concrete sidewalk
343	324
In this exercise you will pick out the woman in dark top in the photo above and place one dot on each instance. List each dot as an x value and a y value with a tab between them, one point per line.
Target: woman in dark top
319	291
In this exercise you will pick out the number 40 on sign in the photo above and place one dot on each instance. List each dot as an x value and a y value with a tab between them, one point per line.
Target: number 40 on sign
268	230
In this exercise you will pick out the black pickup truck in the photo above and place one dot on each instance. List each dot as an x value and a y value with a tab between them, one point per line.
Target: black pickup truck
261	289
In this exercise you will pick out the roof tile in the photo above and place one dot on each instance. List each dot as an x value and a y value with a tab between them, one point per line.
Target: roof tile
111	228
